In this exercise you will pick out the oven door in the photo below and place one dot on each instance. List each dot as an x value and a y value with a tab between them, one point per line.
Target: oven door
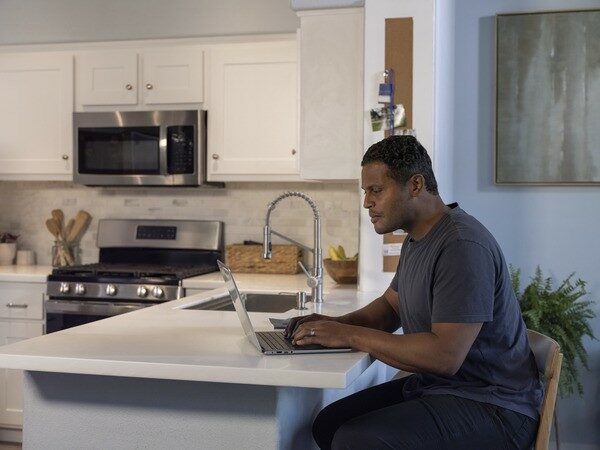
151	148
63	314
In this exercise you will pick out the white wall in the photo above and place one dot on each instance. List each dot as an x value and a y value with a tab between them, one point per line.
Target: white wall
45	21
241	206
376	11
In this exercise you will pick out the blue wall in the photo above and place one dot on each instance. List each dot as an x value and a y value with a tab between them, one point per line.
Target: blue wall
557	228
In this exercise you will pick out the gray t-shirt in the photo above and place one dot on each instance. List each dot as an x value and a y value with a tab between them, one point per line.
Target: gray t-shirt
457	273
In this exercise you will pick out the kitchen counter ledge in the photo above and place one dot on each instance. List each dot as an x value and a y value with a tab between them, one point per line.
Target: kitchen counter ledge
27	274
171	343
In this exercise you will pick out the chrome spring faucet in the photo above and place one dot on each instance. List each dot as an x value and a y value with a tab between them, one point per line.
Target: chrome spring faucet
315	277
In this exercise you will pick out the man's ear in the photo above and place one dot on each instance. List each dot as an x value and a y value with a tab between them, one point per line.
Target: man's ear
416	185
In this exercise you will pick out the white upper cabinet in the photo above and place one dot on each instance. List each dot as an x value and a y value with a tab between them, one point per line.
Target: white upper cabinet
36	92
253	112
173	75
155	76
107	78
331	83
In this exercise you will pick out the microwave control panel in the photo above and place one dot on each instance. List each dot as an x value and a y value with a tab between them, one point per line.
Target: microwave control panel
180	149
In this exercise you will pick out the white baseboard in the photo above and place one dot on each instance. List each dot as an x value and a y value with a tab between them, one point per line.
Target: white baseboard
11	435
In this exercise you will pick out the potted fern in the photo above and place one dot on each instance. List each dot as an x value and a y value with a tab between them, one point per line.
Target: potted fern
561	314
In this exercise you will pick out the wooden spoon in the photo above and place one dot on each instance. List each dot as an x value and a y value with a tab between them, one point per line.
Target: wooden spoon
68	228
59	216
82	220
53	227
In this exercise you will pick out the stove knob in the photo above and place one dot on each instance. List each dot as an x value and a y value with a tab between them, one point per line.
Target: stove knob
157	292
142	291
79	289
111	289
64	288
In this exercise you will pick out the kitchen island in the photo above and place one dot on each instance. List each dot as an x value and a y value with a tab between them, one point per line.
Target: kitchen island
168	377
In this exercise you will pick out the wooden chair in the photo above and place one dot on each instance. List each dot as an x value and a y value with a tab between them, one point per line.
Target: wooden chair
549	359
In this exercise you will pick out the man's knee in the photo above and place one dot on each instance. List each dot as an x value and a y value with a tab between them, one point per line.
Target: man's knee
354	435
324	427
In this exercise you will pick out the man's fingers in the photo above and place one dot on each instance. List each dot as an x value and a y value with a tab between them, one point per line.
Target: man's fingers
306	331
296	322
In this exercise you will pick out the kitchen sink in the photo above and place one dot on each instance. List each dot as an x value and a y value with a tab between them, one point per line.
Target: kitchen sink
271	303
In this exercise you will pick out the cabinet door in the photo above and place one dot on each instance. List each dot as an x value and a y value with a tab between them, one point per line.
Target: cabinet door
106	78
11	380
252	112
22	300
331	82
35	116
173	75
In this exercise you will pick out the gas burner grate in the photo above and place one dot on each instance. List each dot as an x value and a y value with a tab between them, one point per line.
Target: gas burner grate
128	271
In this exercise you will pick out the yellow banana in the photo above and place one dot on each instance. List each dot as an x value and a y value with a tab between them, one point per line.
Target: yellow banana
333	253
341	252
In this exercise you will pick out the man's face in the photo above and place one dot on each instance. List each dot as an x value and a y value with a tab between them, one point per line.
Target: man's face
388	202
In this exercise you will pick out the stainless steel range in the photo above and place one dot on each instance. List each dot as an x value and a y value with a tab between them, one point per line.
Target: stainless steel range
141	263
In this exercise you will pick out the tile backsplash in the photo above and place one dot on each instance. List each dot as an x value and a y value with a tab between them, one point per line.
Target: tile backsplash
241	206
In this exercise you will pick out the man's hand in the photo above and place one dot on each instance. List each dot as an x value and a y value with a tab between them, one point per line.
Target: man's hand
296	321
324	332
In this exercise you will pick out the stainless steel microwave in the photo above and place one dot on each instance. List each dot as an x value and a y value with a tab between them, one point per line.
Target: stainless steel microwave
140	148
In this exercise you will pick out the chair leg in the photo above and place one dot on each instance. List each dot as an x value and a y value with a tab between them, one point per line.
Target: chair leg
556	431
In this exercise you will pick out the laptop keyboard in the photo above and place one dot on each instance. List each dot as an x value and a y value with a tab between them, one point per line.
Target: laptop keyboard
274	340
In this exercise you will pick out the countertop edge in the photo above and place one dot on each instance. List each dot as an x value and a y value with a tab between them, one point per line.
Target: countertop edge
234	375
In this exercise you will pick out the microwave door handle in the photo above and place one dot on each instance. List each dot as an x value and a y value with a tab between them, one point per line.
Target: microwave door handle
162	149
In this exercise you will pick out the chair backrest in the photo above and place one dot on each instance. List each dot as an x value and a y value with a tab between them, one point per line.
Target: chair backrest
549	359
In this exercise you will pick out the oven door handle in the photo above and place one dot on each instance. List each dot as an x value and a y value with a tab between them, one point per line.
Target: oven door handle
91	308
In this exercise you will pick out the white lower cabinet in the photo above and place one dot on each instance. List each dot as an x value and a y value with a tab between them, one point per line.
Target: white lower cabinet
11	381
36	92
21	317
253	112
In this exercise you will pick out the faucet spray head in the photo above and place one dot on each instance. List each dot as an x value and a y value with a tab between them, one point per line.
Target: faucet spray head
267	247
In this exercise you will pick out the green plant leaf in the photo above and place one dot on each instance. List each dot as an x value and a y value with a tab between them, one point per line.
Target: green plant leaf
561	314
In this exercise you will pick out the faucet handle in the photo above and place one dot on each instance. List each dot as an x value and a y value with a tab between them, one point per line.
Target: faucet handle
312	281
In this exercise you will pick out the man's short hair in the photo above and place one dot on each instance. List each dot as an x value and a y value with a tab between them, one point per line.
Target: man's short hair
404	156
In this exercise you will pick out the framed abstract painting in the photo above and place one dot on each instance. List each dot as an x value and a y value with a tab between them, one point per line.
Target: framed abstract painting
548	98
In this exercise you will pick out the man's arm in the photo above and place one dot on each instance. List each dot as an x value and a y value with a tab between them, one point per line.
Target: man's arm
441	351
380	314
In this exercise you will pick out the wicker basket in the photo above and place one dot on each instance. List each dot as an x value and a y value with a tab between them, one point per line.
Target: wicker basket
249	259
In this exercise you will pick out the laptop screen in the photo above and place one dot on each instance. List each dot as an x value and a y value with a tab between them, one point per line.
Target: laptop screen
238	304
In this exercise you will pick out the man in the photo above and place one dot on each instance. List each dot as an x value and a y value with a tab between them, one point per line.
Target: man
474	382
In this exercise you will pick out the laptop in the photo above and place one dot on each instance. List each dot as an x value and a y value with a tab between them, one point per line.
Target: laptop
268	342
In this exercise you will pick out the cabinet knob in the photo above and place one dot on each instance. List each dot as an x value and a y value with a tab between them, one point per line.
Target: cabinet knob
128	87
65	157
215	156
149	86
293	151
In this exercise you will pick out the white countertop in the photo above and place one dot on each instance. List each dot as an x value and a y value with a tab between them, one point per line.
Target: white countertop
166	342
28	274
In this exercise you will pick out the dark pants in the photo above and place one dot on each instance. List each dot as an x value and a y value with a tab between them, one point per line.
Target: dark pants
380	418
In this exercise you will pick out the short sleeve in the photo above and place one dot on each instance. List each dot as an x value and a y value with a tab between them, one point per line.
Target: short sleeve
464	284
394	283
